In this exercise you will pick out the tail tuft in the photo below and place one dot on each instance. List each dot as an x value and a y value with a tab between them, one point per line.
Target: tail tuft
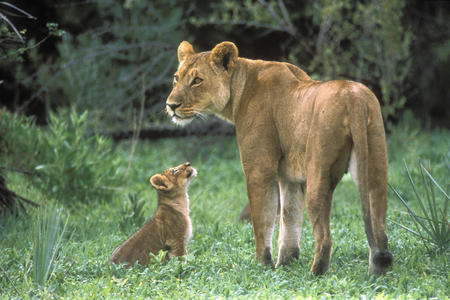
382	259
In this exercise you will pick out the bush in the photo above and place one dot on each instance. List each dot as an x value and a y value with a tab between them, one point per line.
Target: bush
19	138
67	162
75	166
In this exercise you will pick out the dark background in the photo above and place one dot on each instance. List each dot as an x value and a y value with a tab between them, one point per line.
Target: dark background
117	57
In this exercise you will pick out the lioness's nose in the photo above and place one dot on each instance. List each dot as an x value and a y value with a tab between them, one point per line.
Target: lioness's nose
173	106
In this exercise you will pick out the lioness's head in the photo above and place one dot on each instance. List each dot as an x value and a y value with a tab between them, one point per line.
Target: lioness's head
174	180
202	81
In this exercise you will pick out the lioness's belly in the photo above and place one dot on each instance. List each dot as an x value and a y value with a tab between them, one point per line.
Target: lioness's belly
292	167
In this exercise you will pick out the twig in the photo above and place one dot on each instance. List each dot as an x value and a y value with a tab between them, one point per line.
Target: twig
12	283
17	170
19	10
2	16
136	131
70	267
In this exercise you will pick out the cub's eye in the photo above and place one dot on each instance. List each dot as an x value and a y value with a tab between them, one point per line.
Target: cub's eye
175	78
196	81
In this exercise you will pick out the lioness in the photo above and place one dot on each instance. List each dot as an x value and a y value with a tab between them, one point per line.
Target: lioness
170	228
294	135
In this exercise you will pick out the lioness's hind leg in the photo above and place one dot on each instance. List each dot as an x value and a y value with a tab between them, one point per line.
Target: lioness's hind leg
263	200
291	220
319	207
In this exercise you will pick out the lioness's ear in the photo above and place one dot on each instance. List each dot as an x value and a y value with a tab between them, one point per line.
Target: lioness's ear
184	51
224	56
161	183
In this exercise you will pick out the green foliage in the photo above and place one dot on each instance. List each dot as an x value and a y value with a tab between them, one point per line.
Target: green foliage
19	138
67	162
110	69
48	233
432	225
12	41
74	165
132	216
10	37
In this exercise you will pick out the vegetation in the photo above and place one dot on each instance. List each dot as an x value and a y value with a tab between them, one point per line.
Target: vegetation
116	57
48	233
221	253
109	68
432	225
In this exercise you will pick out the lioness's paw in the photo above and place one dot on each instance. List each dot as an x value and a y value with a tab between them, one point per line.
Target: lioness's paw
267	258
285	256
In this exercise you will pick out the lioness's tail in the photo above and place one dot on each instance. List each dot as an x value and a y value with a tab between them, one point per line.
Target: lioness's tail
370	154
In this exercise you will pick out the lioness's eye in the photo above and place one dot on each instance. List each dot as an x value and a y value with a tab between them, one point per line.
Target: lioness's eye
174	171
196	80
175	78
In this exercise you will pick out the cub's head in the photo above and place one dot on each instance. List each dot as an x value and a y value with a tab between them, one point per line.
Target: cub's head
174	180
202	82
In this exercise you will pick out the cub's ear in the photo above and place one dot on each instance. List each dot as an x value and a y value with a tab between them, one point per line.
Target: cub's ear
184	51
224	56
161	183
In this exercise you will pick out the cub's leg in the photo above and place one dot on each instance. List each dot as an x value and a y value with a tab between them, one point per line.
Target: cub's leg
291	220
176	247
263	200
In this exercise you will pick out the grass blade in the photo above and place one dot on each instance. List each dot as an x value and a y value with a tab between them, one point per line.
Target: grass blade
416	219
431	227
47	237
413	185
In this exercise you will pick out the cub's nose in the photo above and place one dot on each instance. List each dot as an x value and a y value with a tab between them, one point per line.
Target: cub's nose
173	106
187	164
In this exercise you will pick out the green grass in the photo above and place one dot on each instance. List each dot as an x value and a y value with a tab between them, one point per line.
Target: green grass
221	260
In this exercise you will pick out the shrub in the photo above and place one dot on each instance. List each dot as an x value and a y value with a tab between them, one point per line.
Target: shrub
65	161
19	138
74	165
432	224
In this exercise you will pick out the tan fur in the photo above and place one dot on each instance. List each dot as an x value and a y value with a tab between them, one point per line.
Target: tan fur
170	228
294	134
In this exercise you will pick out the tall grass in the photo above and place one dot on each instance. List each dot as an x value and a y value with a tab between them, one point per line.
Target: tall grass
48	233
431	223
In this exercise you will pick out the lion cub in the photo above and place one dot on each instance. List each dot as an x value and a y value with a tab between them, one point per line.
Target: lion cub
170	228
